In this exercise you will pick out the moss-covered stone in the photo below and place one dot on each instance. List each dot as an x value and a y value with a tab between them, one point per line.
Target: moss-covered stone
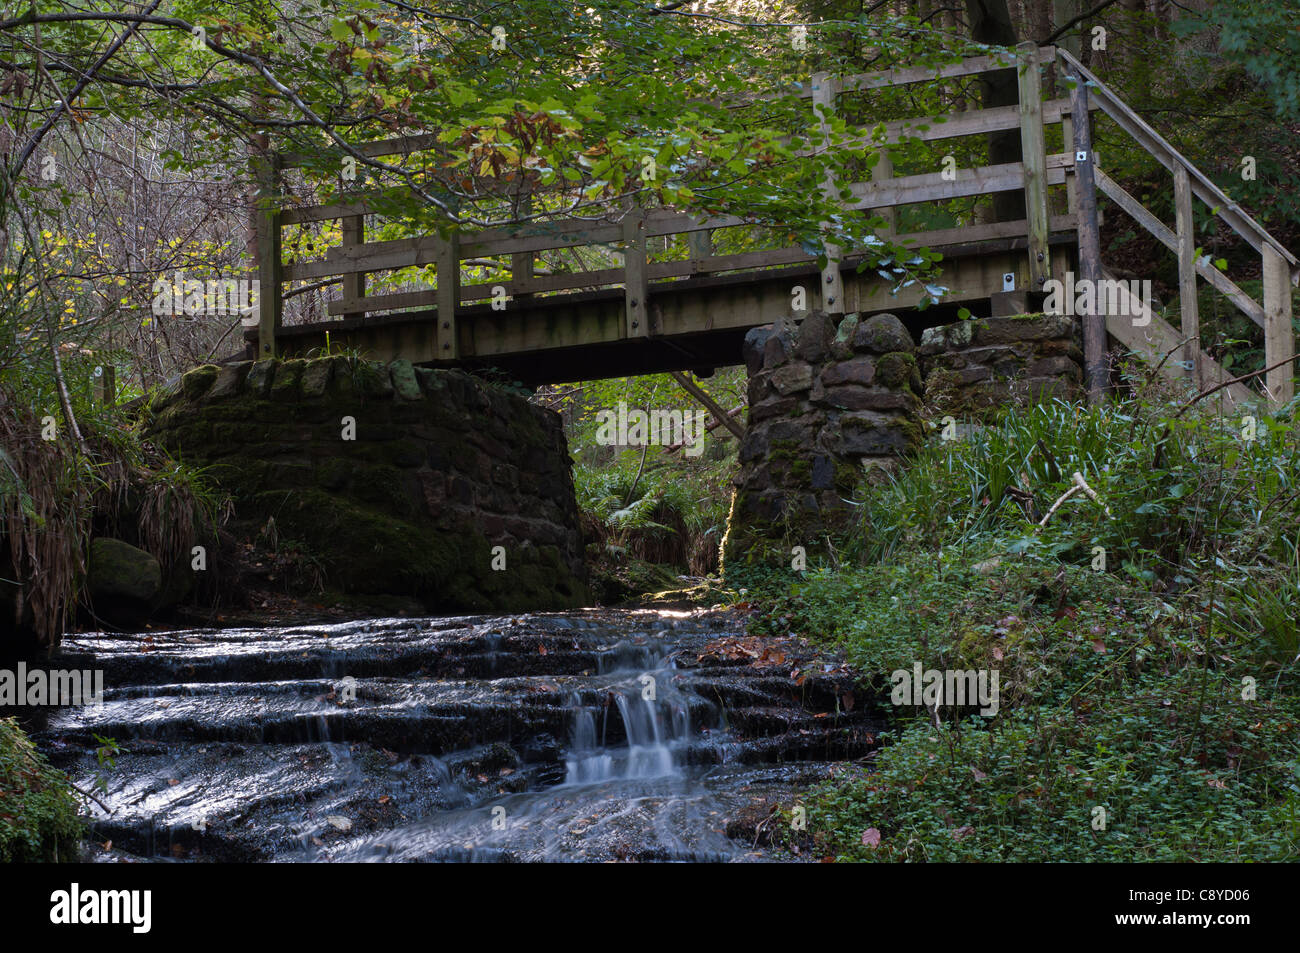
316	378
258	381
399	510
195	383
288	376
118	570
404	382
898	370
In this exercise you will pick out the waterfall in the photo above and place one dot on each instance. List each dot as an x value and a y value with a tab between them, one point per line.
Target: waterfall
654	722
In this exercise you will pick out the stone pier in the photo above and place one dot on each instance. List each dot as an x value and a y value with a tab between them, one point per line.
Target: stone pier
832	401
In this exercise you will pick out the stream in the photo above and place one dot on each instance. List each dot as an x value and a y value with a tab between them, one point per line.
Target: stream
592	735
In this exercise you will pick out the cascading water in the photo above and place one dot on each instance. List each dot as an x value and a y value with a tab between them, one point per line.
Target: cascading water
579	736
655	720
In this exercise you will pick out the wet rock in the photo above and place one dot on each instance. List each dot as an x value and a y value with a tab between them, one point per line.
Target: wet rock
394	740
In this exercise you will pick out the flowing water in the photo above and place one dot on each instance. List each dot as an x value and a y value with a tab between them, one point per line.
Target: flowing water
592	735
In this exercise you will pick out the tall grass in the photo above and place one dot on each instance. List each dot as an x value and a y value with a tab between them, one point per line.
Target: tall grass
1178	493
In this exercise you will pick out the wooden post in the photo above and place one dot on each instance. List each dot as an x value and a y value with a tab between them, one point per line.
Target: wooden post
1187	305
521	262
270	260
635	276
354	286
883	171
106	385
1071	182
832	283
1096	373
447	263
1279	336
1034	156
701	246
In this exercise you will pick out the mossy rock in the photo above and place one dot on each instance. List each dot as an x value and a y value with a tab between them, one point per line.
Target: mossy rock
119	570
287	378
898	370
196	382
404	382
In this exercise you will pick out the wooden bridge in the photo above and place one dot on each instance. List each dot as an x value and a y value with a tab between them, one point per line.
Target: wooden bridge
650	315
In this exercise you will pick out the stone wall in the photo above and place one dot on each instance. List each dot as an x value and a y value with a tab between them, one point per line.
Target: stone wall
974	366
830	399
441	468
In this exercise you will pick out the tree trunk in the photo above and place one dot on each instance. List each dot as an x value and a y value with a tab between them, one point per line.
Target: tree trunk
990	22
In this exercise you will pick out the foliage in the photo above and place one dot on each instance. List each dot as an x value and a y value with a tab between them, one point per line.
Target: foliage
1160	685
38	811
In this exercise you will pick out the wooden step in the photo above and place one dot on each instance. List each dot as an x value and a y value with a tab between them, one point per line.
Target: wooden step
1156	338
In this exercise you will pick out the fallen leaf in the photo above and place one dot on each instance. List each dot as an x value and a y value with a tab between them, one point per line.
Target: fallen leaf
1099	646
979	775
871	838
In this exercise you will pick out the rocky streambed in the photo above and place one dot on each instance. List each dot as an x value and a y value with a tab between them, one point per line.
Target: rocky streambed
583	736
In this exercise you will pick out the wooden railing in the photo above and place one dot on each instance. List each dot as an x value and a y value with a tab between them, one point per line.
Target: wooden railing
1279	267
1074	168
355	257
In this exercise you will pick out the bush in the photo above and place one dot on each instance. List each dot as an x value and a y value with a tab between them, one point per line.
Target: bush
38	810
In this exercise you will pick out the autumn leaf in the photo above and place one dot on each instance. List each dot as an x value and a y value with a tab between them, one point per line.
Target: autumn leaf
871	838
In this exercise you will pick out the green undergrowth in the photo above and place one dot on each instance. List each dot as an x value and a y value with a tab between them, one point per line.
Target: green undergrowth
1144	641
38	811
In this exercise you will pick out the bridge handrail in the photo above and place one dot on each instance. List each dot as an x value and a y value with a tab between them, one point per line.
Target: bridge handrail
1279	267
355	258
